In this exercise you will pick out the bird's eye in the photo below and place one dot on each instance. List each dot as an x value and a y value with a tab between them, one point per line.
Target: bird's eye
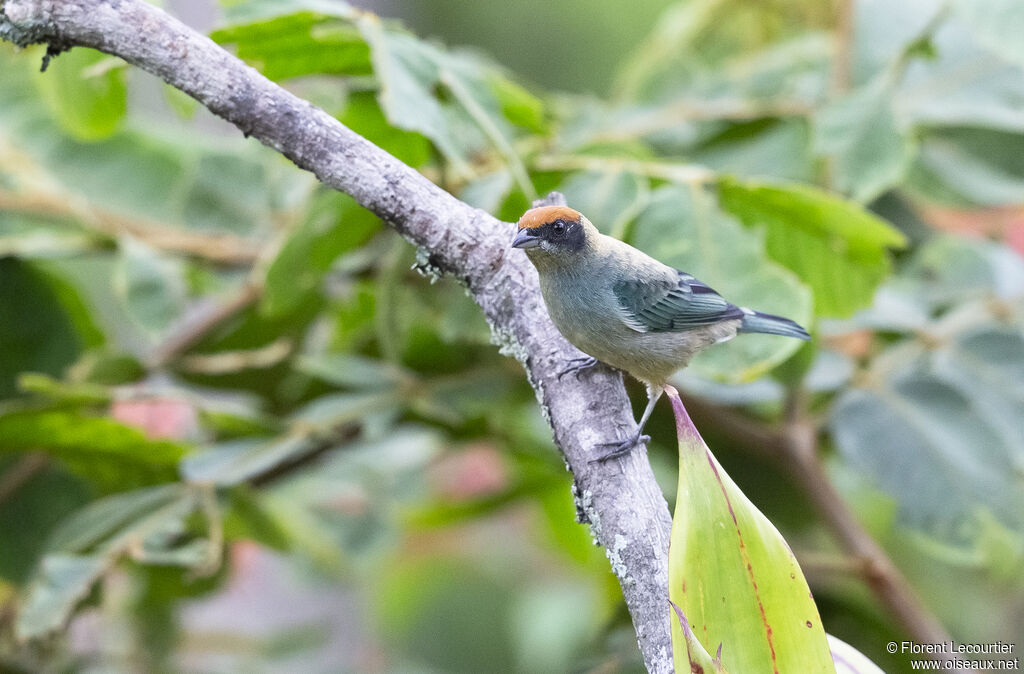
558	228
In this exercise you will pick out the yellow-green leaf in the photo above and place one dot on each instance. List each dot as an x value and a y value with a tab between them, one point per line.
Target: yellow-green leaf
85	92
835	246
733	576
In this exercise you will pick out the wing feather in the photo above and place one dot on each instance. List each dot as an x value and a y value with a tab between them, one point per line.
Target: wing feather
667	306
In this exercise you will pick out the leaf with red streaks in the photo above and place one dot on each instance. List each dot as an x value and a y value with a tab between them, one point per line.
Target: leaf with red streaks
733	576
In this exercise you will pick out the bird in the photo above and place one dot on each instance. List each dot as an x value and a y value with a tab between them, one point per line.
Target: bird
626	309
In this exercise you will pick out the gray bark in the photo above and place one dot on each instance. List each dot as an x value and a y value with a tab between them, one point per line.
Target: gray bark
620	499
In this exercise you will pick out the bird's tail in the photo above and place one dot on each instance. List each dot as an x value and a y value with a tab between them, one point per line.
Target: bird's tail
755	321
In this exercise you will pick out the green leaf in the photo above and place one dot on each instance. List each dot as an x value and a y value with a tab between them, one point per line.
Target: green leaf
151	286
943	90
353	371
859	132
968	166
32	511
518	105
70	393
243	12
764	148
288	41
110	522
100	450
733	576
997	24
363	115
611	199
487	192
237	461
674	34
836	247
165	177
334	224
335	409
85	92
681	227
62	581
87	544
449	98
930	445
35	331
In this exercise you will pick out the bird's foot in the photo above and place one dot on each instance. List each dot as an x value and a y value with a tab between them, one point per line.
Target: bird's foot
577	365
621	448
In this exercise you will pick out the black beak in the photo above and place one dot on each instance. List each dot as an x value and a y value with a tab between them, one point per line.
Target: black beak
525	239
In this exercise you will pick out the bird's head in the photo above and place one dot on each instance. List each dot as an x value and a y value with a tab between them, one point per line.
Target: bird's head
553	233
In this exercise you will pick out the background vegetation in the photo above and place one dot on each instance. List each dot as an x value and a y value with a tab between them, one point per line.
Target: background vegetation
239	431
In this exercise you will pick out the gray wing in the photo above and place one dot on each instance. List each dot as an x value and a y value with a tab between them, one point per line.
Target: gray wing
667	306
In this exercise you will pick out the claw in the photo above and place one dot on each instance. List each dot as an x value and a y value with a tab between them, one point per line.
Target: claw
577	365
621	448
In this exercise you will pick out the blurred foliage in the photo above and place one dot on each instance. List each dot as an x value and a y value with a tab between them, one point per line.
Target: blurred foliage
202	350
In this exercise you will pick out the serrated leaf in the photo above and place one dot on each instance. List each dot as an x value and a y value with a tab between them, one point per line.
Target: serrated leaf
681	227
859	132
290	41
85	91
448	97
733	576
836	247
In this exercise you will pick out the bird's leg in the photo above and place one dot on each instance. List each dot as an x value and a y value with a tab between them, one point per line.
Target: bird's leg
626	446
577	365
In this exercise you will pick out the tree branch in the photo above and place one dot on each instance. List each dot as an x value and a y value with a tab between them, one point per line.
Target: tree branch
800	444
620	499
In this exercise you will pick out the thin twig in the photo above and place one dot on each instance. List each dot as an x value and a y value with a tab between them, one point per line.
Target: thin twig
197	329
219	248
24	470
813	562
800	442
842	68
